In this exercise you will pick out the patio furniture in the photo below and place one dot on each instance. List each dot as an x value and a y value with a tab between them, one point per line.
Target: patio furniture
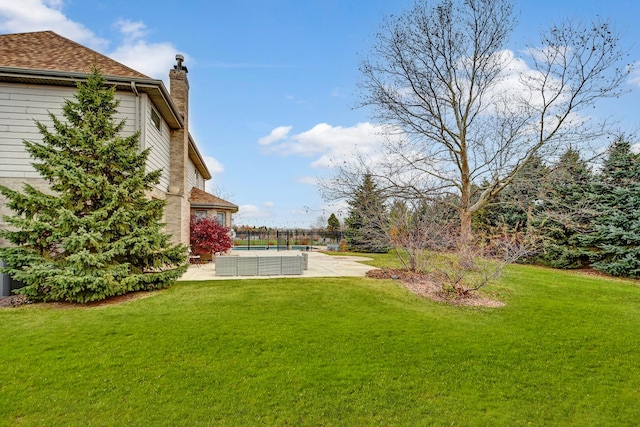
263	265
194	259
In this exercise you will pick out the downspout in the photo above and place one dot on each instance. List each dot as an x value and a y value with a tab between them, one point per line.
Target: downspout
137	115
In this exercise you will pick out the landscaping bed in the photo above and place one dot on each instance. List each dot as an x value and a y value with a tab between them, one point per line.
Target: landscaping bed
426	285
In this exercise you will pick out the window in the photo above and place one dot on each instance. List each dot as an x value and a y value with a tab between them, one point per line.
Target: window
200	214
155	118
221	218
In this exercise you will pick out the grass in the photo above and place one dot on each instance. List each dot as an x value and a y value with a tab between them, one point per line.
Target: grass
336	352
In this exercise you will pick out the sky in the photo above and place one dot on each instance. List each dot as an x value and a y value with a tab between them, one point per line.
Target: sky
273	95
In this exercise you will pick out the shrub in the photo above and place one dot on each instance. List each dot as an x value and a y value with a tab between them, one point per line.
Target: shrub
209	236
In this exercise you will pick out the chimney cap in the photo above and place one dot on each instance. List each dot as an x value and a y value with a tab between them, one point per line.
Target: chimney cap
179	66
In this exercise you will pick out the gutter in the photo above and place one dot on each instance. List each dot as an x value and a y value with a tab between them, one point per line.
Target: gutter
197	159
154	88
230	207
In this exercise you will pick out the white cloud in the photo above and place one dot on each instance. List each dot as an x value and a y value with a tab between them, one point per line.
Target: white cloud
295	100
340	208
40	15
518	84
132	30
330	144
214	166
269	204
152	59
250	212
308	180
135	52
278	134
554	55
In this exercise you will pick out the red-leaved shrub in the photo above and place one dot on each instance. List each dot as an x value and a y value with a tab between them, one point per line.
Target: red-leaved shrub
208	236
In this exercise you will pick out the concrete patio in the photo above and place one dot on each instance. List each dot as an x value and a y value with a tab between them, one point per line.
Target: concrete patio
320	265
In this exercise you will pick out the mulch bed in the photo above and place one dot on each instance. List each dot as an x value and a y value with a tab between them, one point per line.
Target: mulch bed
13	301
426	286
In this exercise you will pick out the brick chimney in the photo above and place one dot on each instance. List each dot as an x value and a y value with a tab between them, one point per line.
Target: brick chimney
179	88
178	207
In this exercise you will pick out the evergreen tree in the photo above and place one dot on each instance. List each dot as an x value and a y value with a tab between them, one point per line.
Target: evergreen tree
615	241
550	202
333	223
513	209
367	220
96	234
567	212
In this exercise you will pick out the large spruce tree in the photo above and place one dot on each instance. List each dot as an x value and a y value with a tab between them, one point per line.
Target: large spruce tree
567	212
615	241
97	233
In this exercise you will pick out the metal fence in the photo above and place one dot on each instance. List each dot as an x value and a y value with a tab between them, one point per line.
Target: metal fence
297	239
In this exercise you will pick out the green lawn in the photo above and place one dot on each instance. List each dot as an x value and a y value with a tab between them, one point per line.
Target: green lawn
563	351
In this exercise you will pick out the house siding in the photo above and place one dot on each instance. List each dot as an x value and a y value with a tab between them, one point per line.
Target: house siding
158	141
127	111
21	106
195	178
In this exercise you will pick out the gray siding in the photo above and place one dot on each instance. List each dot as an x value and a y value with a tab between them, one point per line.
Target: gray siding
158	141
22	105
195	178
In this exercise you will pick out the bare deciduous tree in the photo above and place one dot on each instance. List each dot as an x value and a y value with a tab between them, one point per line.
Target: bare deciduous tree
426	241
462	110
418	231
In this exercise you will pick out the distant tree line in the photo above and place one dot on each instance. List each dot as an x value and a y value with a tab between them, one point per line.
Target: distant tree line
582	216
562	213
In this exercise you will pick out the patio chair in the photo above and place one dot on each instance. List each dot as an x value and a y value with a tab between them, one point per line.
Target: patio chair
194	259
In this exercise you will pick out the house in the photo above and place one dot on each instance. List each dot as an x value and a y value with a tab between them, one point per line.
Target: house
39	70
204	204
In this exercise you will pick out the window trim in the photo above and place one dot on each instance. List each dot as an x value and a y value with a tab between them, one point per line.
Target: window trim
222	215
155	119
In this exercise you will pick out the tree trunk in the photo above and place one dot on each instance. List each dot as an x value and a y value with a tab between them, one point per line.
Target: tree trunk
465	238
464	210
466	233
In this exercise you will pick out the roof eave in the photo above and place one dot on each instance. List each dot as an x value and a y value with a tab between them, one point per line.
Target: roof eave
197	159
155	89
232	208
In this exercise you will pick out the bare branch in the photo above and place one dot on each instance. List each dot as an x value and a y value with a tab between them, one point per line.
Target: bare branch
466	115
